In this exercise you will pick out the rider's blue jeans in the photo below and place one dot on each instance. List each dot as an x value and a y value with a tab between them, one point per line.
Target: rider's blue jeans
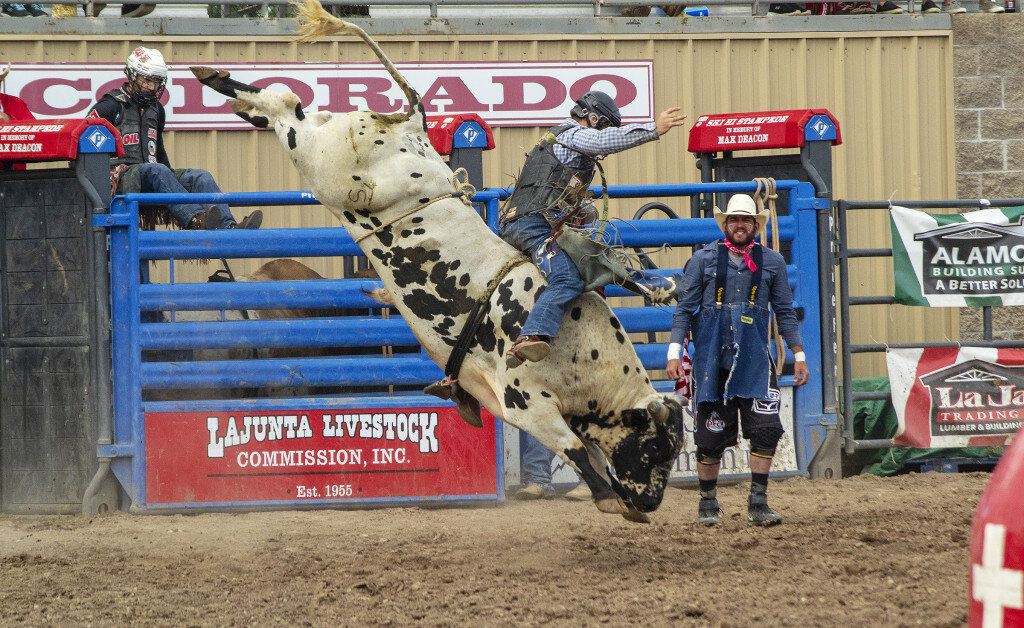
564	283
159	178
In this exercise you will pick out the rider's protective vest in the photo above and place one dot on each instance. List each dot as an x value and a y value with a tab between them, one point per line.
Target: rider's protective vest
544	180
741	327
139	128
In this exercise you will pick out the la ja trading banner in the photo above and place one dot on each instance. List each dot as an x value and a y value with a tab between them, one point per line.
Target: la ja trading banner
949	397
958	260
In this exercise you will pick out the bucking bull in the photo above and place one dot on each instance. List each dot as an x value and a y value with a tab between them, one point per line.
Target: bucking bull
590	401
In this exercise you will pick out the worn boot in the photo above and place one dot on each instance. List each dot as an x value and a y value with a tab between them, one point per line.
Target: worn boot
209	219
252	221
758	512
527	348
707	509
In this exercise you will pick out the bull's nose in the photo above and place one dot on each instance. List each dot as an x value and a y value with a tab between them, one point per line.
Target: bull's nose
645	504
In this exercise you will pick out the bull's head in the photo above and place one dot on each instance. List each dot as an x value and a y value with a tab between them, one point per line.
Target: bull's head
644	457
641	445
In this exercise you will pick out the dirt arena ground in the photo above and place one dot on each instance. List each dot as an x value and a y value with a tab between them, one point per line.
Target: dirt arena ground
862	551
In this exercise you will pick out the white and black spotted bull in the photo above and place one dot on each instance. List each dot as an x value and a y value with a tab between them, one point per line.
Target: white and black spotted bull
590	401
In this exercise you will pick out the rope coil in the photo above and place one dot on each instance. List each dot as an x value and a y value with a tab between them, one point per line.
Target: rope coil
767	192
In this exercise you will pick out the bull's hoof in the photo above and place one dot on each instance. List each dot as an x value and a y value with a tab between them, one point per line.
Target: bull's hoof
439	389
467	406
220	81
202	72
611	505
634	515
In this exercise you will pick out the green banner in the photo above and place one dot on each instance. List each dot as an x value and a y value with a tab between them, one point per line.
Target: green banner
958	260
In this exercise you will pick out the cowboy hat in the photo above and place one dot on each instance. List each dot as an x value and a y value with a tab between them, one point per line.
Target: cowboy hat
741	205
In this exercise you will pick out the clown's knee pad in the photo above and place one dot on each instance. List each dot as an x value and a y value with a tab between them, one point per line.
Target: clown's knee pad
709	456
764	439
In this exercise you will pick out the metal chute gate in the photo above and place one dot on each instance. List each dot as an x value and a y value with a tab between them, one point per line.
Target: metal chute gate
155	449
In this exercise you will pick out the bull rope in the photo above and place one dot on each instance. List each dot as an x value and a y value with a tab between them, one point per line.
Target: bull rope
766	191
464	191
476	316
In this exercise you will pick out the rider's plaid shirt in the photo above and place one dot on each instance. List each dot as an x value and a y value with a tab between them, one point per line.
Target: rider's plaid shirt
604	142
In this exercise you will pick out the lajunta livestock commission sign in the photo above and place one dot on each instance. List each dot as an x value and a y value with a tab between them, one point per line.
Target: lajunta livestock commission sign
520	93
958	260
317	456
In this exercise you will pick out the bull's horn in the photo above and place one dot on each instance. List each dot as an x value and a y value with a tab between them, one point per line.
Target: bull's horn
658	411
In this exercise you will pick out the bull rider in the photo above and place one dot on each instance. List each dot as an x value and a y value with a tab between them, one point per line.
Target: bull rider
554	181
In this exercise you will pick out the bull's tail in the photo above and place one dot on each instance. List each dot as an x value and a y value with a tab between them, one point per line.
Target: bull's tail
315	22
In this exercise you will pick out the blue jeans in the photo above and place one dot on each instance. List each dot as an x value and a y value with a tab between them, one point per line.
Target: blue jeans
534	461
564	283
159	178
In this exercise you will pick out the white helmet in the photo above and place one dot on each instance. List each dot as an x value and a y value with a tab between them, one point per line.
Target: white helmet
149	63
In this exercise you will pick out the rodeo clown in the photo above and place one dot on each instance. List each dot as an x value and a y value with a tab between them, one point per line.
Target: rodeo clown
136	111
553	182
727	287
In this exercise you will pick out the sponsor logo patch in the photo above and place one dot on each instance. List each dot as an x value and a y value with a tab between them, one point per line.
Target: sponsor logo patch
715	424
769	406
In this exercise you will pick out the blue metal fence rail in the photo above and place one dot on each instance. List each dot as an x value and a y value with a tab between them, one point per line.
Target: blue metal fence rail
130	249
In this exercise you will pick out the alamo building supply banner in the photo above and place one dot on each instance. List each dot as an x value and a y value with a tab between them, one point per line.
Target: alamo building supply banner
950	397
958	260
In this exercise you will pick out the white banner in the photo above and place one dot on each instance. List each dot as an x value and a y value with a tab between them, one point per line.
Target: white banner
957	260
521	93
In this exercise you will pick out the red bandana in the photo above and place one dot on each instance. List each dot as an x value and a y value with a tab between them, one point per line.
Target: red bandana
745	252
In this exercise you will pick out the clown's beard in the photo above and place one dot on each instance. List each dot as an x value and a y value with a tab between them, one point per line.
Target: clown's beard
740	244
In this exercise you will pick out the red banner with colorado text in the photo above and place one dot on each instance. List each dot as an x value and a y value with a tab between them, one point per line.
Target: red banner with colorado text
949	397
503	93
219	457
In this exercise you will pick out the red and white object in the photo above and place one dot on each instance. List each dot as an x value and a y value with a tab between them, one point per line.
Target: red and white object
996	579
684	385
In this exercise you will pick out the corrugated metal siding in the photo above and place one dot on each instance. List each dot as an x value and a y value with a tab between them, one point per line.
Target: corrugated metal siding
891	92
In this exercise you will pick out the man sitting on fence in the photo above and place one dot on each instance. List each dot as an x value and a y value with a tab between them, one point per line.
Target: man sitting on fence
136	111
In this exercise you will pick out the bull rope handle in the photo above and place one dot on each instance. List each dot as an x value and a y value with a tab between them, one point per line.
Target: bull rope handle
466	188
766	191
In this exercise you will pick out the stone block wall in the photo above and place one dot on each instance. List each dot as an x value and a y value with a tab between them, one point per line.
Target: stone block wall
988	98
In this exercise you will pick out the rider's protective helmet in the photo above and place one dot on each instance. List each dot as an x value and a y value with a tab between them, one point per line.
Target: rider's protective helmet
146	63
602	106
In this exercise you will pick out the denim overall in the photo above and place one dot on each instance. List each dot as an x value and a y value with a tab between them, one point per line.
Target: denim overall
739	328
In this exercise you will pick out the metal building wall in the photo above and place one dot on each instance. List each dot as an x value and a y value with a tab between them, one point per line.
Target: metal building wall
891	91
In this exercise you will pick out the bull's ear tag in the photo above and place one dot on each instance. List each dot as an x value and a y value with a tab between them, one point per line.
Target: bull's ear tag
746	319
